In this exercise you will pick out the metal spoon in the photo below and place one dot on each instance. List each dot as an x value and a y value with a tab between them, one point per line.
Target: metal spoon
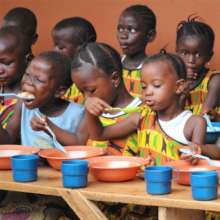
19	95
125	110
189	152
55	142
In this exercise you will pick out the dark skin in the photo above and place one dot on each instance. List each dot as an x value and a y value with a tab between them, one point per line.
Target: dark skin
12	64
39	80
64	41
195	53
161	94
94	82
133	39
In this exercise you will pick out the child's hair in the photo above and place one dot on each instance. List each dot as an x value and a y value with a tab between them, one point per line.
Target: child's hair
145	14
100	55
174	60
24	18
18	39
83	30
60	64
193	27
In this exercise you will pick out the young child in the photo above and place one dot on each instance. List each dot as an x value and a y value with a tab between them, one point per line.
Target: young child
26	20
47	77
13	62
97	72
69	35
164	127
194	43
136	28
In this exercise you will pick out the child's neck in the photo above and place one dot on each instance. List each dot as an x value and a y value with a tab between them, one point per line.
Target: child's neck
134	61
170	113
123	98
54	108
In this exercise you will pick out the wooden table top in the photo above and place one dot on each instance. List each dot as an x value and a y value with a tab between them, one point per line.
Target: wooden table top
50	183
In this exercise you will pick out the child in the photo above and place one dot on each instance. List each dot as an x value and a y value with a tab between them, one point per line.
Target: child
47	77
136	28
165	126
96	70
69	35
26	20
194	43
13	62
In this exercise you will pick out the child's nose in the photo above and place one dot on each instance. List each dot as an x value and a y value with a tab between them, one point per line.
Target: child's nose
191	58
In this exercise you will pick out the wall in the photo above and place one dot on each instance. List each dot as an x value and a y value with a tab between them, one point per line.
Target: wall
104	15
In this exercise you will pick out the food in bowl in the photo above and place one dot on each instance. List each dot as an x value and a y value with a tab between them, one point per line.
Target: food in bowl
55	157
7	151
116	168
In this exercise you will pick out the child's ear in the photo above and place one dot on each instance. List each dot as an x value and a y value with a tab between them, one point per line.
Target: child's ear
180	86
34	39
61	91
151	35
116	79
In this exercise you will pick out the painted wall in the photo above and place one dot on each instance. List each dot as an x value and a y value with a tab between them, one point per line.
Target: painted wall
104	15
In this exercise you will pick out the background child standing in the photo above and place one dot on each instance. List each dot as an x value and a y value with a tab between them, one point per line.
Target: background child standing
136	28
69	35
194	43
13	62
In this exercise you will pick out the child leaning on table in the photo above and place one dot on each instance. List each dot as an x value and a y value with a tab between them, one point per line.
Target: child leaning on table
163	125
47	77
194	44
69	35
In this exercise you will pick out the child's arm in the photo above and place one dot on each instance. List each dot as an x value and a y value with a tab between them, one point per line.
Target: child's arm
11	134
94	108
213	97
66	138
212	150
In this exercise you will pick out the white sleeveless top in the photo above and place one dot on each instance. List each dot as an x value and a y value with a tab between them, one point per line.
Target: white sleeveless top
175	127
69	120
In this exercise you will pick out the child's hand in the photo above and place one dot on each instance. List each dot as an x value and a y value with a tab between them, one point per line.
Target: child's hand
39	124
96	106
196	149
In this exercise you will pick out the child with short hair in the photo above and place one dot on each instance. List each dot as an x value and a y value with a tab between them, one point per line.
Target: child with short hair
46	78
136	28
163	127
97	72
26	20
13	62
69	35
194	44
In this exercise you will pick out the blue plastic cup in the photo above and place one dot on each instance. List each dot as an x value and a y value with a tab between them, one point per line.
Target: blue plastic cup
24	167
158	179
75	173
204	185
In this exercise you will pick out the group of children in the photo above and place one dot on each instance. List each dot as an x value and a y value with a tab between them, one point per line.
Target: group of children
79	79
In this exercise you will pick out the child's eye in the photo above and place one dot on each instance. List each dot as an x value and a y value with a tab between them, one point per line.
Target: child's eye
198	55
133	30
8	63
120	29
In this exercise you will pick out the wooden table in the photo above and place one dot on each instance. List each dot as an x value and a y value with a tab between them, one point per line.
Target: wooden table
177	205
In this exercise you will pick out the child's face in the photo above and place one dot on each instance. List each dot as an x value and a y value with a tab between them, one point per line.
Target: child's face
64	43
93	82
158	85
12	63
40	81
194	52
131	35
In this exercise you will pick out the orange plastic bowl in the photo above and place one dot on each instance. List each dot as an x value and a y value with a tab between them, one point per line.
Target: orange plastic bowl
182	169
55	157
7	151
116	168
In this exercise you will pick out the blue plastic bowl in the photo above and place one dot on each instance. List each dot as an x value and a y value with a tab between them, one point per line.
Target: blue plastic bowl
204	185
212	136
158	179
24	168
75	173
